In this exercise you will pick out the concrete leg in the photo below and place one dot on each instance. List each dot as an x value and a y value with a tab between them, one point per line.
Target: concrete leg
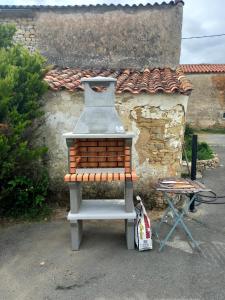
76	234
129	204
75	196
129	224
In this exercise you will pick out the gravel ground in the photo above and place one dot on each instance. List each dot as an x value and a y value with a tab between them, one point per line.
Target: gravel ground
37	263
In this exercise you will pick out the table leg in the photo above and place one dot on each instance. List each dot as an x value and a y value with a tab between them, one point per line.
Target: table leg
163	242
156	231
179	219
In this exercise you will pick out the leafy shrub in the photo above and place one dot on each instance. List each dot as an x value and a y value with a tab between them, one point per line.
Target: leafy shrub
23	176
6	35
204	150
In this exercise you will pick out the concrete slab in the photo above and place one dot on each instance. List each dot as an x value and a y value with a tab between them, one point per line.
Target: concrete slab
212	139
37	262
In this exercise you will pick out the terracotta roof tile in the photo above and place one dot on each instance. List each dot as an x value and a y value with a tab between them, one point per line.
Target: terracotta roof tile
203	68
150	81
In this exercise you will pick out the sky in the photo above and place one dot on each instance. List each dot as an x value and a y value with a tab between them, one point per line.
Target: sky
201	17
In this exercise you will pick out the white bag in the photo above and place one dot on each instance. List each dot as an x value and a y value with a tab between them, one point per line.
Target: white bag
143	234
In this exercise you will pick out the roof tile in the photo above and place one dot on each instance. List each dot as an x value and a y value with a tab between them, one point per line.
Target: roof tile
203	68
150	81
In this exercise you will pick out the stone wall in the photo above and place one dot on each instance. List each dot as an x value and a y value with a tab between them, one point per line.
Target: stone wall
201	165
208	164
206	105
25	23
158	124
101	36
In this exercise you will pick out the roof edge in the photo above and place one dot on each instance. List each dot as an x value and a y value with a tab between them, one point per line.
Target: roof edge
202	68
175	81
110	5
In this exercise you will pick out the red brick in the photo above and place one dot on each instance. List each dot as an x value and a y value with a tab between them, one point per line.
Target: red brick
115	158
114	149
72	170
110	177
90	154
120	164
116	176
67	177
89	165
128	176
94	140
73	165
75	147
79	177
108	164
91	177
120	143
127	151
104	176
127	164
86	177
96	159
127	158
73	152
78	159
98	177
96	149
122	176
73	177
82	149
108	143
83	159
109	153
89	144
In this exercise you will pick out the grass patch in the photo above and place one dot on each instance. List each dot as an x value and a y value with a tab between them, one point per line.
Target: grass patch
205	152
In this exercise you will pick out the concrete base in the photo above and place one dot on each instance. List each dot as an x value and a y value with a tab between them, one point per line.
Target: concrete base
76	234
129	228
75	196
101	210
128	191
104	209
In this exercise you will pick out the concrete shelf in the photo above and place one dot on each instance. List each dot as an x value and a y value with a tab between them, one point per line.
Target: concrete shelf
106	209
72	135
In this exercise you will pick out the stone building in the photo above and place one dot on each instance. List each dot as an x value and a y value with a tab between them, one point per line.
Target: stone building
137	45
206	105
151	103
111	36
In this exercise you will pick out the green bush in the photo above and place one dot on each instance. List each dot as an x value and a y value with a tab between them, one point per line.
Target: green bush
23	176
204	150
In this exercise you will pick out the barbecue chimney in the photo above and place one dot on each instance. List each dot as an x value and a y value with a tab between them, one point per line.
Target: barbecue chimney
99	150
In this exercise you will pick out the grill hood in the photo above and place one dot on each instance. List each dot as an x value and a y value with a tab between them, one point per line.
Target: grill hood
99	115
